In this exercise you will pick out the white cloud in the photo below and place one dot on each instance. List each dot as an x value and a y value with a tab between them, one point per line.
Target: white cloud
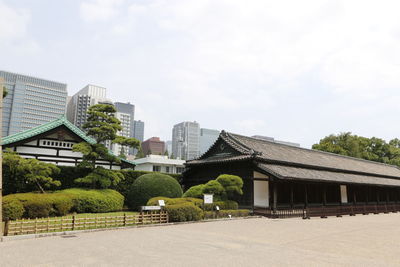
13	23
100	10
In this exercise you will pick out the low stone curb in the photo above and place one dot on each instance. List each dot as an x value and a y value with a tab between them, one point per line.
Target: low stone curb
68	233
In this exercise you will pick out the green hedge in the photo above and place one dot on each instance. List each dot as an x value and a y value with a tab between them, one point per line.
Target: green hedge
12	209
59	203
223	205
152	185
172	201
94	201
183	212
68	174
225	214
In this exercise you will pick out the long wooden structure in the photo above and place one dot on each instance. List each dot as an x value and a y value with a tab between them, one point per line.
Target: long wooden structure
287	181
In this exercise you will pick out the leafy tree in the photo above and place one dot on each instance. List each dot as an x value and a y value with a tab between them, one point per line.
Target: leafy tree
172	156
215	188
374	149
103	126
101	178
232	184
5	92
29	172
140	153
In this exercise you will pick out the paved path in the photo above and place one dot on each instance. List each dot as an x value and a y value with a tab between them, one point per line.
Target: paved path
372	240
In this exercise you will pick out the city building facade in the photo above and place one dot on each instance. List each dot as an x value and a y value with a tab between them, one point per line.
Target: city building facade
80	102
153	146
186	140
207	139
30	102
125	113
158	163
138	131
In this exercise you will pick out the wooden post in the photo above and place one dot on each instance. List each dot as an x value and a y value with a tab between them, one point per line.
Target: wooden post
73	222
124	219
1	158
275	196
35	225
48	224
291	196
305	196
324	195
6	226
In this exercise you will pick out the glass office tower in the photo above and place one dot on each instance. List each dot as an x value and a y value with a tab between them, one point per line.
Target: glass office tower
31	102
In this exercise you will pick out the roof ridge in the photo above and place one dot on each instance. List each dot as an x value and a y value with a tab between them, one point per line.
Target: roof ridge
316	151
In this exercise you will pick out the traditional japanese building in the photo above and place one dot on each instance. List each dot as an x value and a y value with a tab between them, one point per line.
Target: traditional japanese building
52	142
282	180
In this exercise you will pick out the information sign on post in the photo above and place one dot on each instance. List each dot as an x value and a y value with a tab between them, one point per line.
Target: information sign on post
208	198
161	203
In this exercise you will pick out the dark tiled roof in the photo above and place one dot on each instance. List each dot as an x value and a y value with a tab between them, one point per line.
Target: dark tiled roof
301	163
301	156
295	173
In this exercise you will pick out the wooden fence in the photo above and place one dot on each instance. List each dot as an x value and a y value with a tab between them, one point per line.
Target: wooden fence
61	224
324	211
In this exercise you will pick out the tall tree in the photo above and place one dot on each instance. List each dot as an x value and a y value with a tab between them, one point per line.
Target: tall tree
103	126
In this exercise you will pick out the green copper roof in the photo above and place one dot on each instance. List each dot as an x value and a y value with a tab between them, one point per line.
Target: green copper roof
47	127
50	126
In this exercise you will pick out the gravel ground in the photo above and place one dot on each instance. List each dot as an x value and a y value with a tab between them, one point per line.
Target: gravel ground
372	240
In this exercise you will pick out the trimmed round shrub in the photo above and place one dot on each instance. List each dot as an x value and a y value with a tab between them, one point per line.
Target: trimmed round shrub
232	184
95	201
195	191
215	188
12	209
152	185
184	212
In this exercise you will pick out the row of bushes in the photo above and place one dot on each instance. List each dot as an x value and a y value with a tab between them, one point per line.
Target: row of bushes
60	203
188	212
68	174
190	209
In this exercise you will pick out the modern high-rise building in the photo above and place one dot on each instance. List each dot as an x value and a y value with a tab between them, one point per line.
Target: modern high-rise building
125	113
31	102
207	139
153	146
186	140
80	102
168	147
271	139
138	131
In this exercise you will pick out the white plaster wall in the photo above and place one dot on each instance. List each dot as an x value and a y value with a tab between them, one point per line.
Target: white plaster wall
68	153
343	193
261	194
36	150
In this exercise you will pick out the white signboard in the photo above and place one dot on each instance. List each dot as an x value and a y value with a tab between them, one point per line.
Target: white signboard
161	203
151	208
208	198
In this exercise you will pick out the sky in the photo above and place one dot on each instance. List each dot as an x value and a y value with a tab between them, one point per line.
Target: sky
294	70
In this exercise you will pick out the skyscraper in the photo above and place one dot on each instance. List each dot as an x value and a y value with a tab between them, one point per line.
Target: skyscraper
80	102
31	102
125	113
207	139
185	140
138	131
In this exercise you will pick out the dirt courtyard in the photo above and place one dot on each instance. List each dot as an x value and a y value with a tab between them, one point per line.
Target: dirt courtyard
372	240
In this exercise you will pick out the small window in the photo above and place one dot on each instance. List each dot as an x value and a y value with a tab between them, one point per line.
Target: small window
167	169
156	168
